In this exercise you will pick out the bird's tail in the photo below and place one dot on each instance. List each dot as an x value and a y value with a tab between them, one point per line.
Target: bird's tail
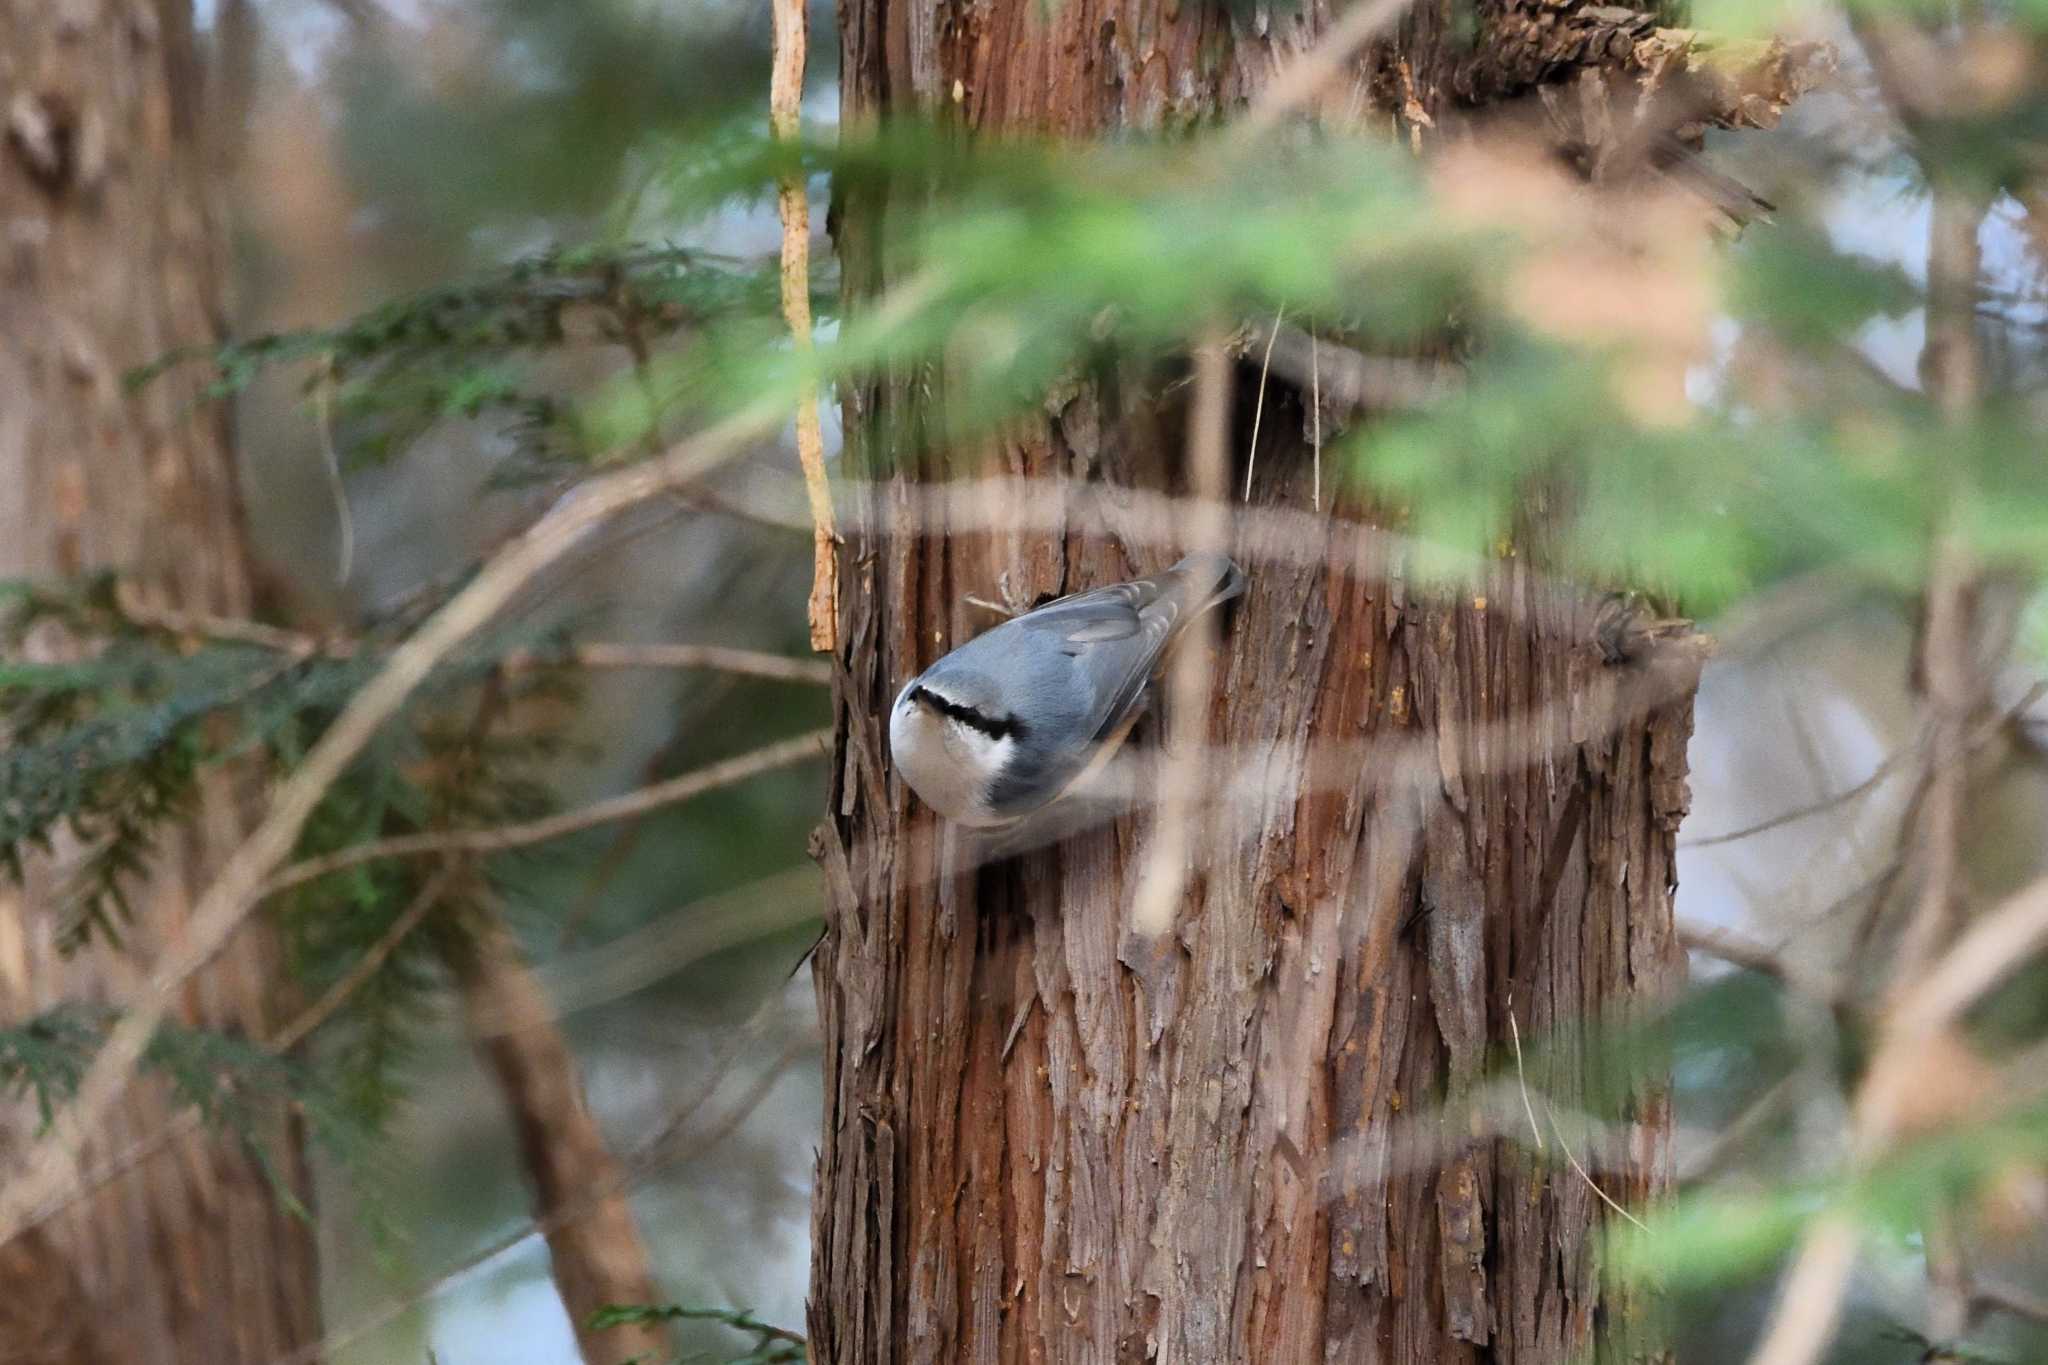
1201	581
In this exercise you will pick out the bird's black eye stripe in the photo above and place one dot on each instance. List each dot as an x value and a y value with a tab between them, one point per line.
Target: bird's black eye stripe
995	727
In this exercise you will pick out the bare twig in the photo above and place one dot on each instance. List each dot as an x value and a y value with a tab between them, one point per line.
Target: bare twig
51	1161
330	465
1810	1300
746	663
1348	379
1825	803
1945	664
785	118
1591	1183
643	1161
2010	1299
1991	949
1521	1079
320	1011
1251	459
751	663
1742	951
1315	413
596	1253
1733	1135
496	840
1164	878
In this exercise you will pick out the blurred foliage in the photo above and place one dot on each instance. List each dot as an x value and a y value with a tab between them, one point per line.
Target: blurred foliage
1000	273
233	1085
772	1345
112	745
470	349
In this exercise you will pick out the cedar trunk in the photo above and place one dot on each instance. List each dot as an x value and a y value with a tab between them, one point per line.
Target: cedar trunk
1048	1140
110	256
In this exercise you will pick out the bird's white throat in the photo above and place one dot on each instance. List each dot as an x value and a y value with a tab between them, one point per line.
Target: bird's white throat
949	764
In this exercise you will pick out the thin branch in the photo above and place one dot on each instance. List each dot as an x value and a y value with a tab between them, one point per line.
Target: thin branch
320	1011
1745	1125
283	1040
1522	1080
1951	688
1825	803
1991	949
1810	1299
50	1162
497	840
1350	380
1189	682
2009	1299
330	463
1251	460
746	663
785	117
647	1159
1748	953
751	663
1591	1184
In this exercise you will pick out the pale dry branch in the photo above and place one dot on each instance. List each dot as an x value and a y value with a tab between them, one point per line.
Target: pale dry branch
501	838
675	939
1251	459
1163	879
1315	415
1522	1079
50	1163
785	117
1591	1183
1995	946
1810	1301
745	663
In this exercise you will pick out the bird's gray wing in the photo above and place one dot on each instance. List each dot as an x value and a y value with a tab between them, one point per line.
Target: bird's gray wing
1116	635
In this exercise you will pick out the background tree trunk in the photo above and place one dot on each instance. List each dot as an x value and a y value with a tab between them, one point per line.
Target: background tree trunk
1046	1140
109	257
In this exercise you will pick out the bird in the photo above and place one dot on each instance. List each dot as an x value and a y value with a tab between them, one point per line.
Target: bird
1019	716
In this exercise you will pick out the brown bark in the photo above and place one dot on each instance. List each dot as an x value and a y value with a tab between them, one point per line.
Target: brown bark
111	258
1047	1140
579	1189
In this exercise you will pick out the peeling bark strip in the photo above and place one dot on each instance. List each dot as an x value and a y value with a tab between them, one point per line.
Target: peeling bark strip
1048	1141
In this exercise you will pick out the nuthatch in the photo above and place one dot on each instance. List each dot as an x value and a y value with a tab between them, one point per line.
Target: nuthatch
1018	716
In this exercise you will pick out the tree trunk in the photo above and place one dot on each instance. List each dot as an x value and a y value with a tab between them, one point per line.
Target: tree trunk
109	257
1049	1140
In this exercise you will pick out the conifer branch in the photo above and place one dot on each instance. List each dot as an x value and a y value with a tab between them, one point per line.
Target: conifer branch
50	1163
812	744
